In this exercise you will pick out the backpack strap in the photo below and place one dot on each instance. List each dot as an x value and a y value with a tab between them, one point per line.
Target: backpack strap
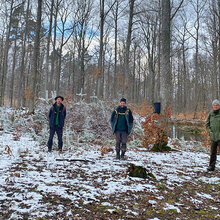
125	113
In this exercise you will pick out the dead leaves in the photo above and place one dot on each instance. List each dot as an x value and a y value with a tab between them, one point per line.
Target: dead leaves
206	142
15	175
16	136
11	178
37	128
105	150
156	128
8	150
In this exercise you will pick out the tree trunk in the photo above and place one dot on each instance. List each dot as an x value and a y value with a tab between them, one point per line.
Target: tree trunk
166	76
158	93
48	80
219	44
133	74
5	58
54	56
11	94
116	49
101	45
21	90
35	59
127	49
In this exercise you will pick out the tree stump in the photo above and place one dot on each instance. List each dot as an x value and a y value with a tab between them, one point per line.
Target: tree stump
139	171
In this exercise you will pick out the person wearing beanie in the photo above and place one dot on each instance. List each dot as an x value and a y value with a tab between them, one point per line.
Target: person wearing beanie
216	102
121	123
213	128
57	115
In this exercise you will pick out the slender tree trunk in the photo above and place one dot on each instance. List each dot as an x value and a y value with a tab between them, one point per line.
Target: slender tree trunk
127	49
158	94
1	55
74	74
48	80
82	63
133	74
139	76
21	90
116	49
69	72
219	45
101	45
5	59
13	74
185	78
81	59
36	57
59	66
54	57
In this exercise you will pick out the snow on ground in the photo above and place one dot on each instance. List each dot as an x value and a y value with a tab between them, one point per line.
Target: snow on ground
35	184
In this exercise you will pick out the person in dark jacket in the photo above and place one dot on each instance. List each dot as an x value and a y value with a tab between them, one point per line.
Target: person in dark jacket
57	115
121	123
213	128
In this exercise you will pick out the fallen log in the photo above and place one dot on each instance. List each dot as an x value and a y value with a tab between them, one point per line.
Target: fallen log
75	160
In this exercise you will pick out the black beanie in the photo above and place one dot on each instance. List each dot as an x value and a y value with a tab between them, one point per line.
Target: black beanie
123	100
59	97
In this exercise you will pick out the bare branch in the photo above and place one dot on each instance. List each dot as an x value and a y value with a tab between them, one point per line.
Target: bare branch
177	9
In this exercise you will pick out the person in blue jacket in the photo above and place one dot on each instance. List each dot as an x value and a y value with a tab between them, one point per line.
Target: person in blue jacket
57	115
121	123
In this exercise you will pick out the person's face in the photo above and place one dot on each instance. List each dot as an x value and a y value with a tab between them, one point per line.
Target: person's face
59	101
122	104
216	107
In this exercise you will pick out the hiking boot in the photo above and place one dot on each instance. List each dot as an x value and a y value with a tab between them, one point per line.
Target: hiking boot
60	150
118	156
210	168
49	149
123	156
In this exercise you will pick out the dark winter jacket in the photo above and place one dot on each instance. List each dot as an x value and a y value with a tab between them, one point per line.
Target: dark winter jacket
126	112
53	113
213	125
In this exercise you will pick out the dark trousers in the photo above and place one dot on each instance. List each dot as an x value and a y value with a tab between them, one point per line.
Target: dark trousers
59	132
121	141
213	155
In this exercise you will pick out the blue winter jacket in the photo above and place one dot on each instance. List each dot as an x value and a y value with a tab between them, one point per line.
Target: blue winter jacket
53	113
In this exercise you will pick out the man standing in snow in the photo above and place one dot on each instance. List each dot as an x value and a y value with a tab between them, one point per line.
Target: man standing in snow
121	123
57	115
213	127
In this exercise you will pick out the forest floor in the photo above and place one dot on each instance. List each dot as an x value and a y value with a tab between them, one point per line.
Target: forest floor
35	184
